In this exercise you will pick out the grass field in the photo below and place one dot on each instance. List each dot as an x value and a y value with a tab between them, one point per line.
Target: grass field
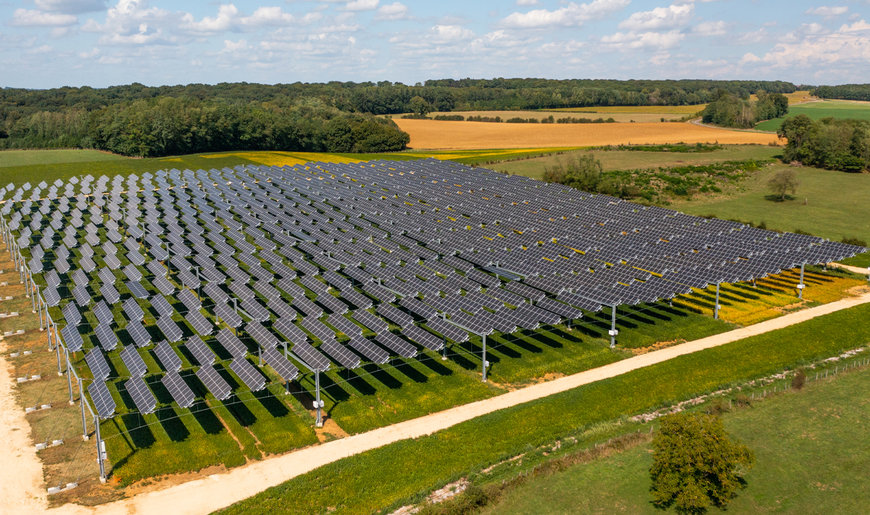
632	159
347	486
809	458
432	134
822	109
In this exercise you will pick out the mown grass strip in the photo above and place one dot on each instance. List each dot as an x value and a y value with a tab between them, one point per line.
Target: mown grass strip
402	471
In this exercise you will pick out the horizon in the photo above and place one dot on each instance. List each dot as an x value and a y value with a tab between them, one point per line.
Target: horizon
54	43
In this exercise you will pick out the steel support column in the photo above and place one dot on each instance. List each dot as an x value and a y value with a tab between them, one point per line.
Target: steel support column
317	402
800	286
716	306
613	332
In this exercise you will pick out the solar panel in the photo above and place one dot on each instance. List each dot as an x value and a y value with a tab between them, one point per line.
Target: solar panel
137	331
447	329
98	364
162	306
167	356
369	350
106	337
280	364
261	335
249	375
396	344
227	314
103	401
133	361
423	337
71	314
200	351
141	395
341	354
110	293
163	285
103	313
214	382
310	357
137	289
81	295
231	343
200	323
169	328
132	309
178	389
72	338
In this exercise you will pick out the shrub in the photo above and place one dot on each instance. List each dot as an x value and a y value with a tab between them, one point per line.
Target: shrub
799	379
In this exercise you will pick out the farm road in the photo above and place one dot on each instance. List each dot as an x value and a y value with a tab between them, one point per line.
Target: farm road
219	490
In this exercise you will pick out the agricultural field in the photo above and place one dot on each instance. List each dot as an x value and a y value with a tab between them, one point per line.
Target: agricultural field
822	109
627	114
432	134
787	432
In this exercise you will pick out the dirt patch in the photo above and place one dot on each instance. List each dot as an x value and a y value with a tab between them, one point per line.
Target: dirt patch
330	430
657	346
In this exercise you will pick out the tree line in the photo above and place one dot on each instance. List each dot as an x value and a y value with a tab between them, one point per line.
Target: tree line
731	110
844	92
167	126
835	144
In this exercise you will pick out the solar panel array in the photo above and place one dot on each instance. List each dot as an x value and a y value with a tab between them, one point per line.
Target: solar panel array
372	260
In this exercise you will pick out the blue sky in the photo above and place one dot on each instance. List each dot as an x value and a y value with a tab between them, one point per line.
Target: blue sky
50	43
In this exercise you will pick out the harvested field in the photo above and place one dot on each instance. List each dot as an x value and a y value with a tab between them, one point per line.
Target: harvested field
620	114
431	134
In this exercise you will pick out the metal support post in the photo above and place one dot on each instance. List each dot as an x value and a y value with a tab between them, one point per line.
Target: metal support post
613	332
101	453
317	402
69	377
57	354
82	405
485	364
800	286
444	350
39	308
716	307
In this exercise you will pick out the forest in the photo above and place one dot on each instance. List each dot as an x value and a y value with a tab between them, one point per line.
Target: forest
835	144
730	110
844	92
140	120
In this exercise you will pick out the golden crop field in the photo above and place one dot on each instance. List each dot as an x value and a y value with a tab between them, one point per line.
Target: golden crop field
637	114
431	134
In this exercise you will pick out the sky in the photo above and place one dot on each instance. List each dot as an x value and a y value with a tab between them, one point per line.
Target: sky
53	43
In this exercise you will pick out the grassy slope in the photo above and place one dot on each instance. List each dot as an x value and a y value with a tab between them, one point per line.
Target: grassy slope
629	159
400	472
808	451
823	109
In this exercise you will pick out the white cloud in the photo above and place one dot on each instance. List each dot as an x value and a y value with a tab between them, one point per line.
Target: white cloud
527	2
848	44
659	18
71	6
828	10
572	14
34	18
132	22
450	33
362	5
711	28
635	40
226	17
749	57
393	11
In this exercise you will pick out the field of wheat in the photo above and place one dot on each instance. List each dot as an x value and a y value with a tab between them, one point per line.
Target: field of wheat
431	134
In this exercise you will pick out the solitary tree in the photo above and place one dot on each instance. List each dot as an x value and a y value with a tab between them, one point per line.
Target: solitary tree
784	182
695	464
419	106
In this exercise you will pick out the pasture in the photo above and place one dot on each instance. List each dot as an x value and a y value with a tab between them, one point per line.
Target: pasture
432	134
822	109
807	460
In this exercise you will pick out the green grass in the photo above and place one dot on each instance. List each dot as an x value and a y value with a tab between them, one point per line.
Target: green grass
823	109
43	157
809	458
828	204
633	159
404	471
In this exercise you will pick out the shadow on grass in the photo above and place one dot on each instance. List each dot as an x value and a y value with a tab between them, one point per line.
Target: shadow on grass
172	424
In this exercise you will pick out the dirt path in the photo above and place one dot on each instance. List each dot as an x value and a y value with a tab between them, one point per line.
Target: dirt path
219	490
21	486
853	269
